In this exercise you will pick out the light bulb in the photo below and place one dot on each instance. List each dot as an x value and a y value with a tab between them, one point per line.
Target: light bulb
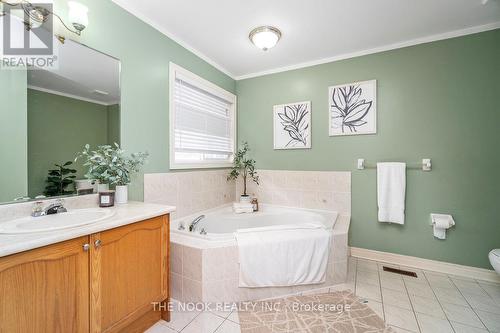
36	18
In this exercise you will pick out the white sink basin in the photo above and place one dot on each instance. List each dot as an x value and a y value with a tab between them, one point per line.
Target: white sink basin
71	219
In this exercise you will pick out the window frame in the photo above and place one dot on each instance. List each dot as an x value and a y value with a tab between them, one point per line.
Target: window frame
212	88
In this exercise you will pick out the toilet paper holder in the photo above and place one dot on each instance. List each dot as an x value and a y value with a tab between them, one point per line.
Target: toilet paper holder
442	216
445	222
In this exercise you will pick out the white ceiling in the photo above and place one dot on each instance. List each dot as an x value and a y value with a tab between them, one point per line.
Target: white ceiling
82	73
314	31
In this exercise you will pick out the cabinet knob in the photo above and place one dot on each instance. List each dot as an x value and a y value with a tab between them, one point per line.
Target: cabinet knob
98	243
86	247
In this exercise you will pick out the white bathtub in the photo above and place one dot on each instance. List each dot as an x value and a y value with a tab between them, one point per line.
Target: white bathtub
206	267
221	223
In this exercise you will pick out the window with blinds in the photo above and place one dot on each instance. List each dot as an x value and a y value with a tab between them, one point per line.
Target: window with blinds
202	122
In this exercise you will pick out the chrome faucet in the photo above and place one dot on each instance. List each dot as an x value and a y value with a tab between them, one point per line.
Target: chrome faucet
192	225
54	208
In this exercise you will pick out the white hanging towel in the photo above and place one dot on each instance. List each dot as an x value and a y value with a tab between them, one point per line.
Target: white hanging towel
287	255
391	190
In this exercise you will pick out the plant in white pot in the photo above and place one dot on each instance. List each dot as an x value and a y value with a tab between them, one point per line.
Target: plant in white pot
96	161
245	167
110	164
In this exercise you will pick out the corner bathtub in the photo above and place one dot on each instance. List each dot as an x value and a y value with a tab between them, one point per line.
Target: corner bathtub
221	223
205	268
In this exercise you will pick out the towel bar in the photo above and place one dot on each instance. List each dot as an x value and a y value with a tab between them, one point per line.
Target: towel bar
426	165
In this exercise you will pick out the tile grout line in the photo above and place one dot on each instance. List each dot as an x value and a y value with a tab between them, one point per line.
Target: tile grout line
411	304
381	295
466	300
215	330
487	293
439	302
227	318
182	329
356	277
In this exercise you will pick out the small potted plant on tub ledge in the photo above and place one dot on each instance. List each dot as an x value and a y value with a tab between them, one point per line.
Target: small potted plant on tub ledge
245	167
110	164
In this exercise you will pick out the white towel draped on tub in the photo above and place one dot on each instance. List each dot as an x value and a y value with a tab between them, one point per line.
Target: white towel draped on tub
391	189
286	255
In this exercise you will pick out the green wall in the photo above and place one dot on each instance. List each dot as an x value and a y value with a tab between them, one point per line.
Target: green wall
58	128
13	138
113	124
436	100
145	54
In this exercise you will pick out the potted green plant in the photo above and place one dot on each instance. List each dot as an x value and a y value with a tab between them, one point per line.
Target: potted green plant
97	164
110	165
245	167
59	179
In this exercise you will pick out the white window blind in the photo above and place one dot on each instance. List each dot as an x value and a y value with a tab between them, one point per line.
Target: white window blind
203	122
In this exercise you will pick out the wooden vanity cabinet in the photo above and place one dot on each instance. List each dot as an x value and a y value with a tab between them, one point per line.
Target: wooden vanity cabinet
128	271
46	289
104	282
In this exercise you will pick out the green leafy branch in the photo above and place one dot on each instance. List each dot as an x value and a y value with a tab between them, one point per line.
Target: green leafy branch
110	165
243	166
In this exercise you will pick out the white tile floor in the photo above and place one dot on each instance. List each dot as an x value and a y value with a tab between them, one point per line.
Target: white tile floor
432	302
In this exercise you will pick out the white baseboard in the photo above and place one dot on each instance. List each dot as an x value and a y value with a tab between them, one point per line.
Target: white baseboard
426	264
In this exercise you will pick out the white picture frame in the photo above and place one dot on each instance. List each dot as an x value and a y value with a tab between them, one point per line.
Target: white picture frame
352	108
292	125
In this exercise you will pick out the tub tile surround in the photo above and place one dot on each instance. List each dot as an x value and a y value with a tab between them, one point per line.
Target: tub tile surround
190	192
196	191
211	274
329	190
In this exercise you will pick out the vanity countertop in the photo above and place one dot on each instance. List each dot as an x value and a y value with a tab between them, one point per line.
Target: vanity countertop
123	214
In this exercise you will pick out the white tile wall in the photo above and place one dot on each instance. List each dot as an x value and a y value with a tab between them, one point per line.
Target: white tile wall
190	191
330	190
195	191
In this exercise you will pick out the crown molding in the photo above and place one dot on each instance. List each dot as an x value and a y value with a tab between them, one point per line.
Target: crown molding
388	47
173	37
55	92
417	41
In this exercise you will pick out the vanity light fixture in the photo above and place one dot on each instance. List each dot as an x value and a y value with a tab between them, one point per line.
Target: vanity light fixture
35	16
265	37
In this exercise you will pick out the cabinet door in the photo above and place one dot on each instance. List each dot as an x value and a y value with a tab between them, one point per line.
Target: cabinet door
46	289
128	273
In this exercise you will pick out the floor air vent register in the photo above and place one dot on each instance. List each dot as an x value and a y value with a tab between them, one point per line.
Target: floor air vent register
399	271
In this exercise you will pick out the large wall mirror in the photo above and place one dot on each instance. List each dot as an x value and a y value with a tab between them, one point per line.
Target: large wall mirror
47	116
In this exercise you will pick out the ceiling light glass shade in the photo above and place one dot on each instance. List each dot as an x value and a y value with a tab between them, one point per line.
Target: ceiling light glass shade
36	18
78	15
265	37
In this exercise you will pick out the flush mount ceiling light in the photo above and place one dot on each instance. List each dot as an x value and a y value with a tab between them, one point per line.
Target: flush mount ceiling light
265	37
36	15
